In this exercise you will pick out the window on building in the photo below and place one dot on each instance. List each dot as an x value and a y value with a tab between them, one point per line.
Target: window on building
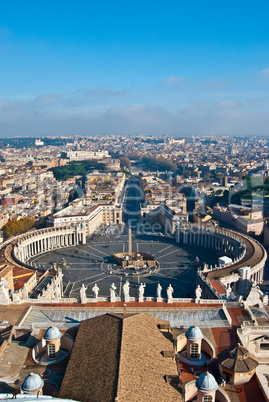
264	346
208	398
194	351
51	351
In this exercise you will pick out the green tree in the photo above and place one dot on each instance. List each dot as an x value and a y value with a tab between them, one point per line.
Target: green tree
14	227
125	162
159	163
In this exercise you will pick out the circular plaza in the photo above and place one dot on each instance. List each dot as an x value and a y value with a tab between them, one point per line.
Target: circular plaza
94	263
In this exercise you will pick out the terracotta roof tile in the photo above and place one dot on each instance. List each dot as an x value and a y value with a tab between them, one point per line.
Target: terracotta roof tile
92	370
120	355
237	359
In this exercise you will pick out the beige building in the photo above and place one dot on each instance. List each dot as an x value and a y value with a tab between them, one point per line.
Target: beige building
256	340
89	216
162	214
86	155
104	187
24	277
163	203
237	365
244	219
100	206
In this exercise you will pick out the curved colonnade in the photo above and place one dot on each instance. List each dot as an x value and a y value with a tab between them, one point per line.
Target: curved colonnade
246	252
40	241
220	239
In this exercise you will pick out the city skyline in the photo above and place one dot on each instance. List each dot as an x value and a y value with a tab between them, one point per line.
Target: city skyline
112	68
165	236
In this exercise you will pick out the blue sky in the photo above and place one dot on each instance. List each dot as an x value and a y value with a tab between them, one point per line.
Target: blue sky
134	67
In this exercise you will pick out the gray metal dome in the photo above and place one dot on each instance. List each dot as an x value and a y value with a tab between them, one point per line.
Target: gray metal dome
194	333
32	384
52	334
206	383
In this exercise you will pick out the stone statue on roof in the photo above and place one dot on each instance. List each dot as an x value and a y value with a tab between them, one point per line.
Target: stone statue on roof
113	292
141	291
198	292
95	290
82	292
57	292
159	290
255	296
60	273
228	291
126	290
169	292
4	291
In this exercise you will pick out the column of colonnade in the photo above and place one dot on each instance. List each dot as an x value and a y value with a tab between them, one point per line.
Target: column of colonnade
210	240
42	244
257	276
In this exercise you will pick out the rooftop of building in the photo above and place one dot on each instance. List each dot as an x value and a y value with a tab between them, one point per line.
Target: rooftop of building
178	314
21	276
122	357
238	359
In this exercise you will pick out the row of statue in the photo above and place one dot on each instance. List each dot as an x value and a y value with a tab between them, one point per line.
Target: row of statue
126	292
53	289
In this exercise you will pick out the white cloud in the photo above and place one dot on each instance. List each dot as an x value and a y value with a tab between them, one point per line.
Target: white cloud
105	92
84	96
265	74
100	92
47	115
214	84
49	99
173	81
79	100
227	104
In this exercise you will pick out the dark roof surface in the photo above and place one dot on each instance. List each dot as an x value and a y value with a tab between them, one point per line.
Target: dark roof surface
94	361
237	359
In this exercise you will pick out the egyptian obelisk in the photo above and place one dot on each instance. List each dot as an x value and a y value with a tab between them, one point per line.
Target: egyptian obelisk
130	251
